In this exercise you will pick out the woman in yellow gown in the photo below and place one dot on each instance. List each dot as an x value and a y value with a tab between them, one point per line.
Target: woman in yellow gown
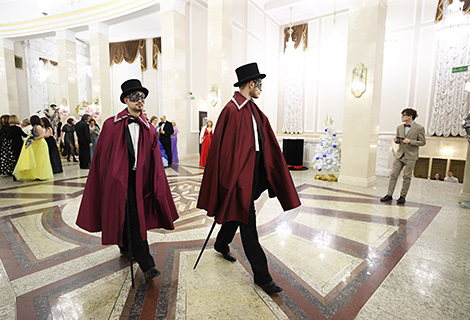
34	162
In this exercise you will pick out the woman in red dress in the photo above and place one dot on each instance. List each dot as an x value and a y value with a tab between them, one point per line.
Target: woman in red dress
205	139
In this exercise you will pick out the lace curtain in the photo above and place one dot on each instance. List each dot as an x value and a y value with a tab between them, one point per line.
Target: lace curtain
450	104
294	64
294	91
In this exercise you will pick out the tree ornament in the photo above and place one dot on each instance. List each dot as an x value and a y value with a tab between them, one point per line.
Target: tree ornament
329	151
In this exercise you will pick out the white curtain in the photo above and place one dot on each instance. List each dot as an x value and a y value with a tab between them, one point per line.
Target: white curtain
294	65
450	105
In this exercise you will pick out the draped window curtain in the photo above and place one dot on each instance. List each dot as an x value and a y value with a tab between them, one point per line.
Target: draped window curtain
128	50
157	50
440	8
299	34
294	65
450	105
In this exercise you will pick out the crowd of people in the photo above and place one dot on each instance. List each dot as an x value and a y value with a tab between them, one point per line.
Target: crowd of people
32	149
28	148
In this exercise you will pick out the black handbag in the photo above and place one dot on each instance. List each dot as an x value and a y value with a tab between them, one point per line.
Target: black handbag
62	149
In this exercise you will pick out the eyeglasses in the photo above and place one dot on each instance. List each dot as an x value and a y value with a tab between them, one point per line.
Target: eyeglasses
258	83
135	97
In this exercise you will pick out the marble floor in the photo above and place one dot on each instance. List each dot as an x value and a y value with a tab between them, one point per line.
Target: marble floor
342	255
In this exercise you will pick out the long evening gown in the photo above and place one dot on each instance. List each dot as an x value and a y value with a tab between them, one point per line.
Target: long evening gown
54	154
174	147
206	144
34	162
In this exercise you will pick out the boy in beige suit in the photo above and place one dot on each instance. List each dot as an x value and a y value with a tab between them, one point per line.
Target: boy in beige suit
410	136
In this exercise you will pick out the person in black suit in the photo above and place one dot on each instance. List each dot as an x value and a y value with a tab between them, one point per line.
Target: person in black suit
165	130
84	141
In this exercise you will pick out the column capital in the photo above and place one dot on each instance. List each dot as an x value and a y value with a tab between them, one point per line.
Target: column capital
100	28
173	5
7	44
65	34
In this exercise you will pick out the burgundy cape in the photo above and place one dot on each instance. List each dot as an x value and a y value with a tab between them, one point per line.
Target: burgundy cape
103	204
228	177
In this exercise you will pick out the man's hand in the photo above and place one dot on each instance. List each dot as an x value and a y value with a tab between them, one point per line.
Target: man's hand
162	131
91	144
406	141
395	140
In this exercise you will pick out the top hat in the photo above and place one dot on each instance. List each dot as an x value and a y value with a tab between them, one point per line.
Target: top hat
247	73
130	86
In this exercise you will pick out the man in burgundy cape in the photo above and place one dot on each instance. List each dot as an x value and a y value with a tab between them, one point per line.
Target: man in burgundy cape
115	175
244	160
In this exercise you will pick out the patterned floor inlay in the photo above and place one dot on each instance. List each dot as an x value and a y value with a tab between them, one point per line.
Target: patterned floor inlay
330	256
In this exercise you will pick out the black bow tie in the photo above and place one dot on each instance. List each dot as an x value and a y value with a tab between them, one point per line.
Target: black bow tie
132	120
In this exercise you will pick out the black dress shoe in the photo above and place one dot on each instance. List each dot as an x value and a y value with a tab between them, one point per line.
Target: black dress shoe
401	200
386	198
270	287
151	273
228	256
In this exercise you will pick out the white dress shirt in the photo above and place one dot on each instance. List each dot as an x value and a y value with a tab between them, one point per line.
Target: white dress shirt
134	130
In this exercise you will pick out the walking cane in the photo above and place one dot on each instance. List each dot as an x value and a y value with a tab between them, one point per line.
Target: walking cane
129	242
205	243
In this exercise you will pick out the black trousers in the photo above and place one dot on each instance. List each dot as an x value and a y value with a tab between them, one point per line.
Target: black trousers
166	143
253	250
139	248
84	155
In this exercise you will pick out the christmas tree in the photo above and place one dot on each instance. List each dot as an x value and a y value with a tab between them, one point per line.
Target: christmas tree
327	158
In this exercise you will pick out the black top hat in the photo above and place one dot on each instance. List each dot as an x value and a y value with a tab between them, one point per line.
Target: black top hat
247	73
130	86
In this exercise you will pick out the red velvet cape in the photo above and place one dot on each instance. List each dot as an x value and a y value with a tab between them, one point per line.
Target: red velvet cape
228	177
103	204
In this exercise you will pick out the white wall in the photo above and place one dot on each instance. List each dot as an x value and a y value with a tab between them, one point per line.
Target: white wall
150	80
198	66
409	61
255	38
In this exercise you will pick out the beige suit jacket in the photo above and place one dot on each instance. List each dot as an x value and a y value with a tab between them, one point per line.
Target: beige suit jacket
417	139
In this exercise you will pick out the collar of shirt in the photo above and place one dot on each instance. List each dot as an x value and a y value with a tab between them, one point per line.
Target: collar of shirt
239	100
124	114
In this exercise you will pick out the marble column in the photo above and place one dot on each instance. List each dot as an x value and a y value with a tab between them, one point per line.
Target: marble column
8	86
175	103
100	71
220	73
361	115
68	77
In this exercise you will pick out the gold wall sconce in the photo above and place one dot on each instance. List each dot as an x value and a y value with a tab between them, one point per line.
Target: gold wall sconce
359	78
